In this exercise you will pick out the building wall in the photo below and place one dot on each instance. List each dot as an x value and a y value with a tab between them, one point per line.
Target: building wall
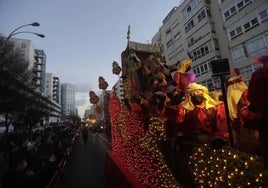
49	85
36	59
200	28
53	90
68	99
40	66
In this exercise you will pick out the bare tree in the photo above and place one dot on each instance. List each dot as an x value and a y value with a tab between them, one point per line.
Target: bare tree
12	66
12	63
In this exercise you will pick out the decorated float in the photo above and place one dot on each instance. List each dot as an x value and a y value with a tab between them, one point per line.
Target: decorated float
154	136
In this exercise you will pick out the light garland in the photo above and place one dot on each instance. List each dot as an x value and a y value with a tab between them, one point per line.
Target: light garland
150	145
226	167
137	149
140	152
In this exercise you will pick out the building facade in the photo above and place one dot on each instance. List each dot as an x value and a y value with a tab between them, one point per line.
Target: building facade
52	89
207	30
40	69
68	99
36	60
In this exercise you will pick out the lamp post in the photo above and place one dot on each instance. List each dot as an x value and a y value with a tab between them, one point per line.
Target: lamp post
34	24
15	32
37	34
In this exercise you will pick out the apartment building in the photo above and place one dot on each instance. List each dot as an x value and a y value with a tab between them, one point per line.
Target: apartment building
68	99
36	59
52	89
40	69
207	30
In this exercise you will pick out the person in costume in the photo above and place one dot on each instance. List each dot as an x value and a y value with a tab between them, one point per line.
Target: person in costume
197	125
258	98
221	114
197	116
235	88
247	138
182	77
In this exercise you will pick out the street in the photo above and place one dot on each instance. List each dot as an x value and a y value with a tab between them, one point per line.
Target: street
85	167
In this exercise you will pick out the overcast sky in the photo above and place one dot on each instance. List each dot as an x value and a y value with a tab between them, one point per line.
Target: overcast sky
84	37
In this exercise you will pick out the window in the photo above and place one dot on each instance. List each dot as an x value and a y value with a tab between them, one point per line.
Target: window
255	45
232	34
233	10
238	53
191	6
195	55
188	9
240	5
191	42
189	26
239	30
168	31
227	14
264	15
177	36
201	16
169	43
202	68
254	22
206	50
205	67
236	32
197	71
248	2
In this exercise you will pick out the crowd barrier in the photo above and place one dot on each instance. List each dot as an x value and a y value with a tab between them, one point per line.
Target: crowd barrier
60	167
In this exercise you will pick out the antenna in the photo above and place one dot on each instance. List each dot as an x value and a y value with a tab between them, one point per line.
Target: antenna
128	33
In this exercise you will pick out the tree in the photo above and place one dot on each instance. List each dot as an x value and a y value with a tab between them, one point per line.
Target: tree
12	66
12	62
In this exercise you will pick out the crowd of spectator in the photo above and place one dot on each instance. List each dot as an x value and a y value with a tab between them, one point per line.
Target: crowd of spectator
33	162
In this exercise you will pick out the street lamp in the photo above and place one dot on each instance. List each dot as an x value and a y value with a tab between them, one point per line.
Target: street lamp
34	24
37	34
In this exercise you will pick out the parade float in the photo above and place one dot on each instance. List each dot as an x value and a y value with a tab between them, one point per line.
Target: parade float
146	150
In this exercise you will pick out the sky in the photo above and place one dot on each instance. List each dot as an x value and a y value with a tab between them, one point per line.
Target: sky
84	37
